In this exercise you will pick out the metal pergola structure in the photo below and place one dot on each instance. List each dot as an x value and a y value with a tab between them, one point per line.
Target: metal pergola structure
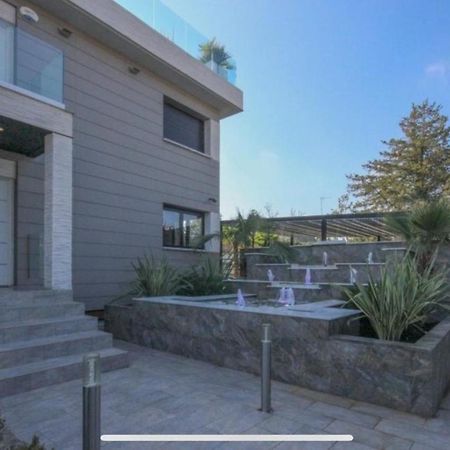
364	226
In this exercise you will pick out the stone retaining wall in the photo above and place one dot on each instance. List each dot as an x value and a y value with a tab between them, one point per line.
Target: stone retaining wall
309	349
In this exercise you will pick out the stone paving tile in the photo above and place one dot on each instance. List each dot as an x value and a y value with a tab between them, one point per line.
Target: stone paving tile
415	433
323	397
369	437
164	394
440	423
289	405
280	425
246	446
387	413
345	414
239	423
351	446
304	446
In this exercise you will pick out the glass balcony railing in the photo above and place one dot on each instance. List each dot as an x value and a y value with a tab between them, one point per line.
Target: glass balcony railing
30	63
166	22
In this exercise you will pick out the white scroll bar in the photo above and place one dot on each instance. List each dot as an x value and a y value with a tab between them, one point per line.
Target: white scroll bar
227	438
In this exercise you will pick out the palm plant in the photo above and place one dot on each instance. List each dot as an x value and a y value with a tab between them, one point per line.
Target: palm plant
214	51
155	278
241	234
206	278
425	229
282	251
402	298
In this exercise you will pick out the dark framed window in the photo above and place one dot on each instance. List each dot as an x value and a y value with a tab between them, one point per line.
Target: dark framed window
184	126
182	228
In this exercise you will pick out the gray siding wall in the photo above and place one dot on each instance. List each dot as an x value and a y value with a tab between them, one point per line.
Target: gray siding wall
123	170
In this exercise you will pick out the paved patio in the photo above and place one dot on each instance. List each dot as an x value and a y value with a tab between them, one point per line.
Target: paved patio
162	393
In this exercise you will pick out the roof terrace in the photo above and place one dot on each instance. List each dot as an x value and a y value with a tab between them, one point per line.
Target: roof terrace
208	50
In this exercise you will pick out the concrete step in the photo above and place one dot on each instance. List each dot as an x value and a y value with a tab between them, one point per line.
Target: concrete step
55	370
338	273
303	293
41	328
26	352
314	306
13	313
12	297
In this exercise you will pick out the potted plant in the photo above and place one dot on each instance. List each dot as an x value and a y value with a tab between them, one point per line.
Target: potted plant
214	55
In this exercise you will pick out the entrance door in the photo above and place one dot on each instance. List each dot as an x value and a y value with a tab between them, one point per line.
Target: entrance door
6	229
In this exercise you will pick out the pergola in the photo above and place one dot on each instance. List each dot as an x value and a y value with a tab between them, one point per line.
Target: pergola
370	226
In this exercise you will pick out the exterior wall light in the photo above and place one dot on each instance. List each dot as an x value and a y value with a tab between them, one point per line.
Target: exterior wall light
64	32
28	14
133	70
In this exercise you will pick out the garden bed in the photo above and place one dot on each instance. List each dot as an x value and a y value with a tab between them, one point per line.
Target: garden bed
316	349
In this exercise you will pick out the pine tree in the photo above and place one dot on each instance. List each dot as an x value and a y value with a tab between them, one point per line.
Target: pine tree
414	168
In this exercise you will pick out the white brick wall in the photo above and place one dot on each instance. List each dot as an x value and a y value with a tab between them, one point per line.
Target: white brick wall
58	212
212	226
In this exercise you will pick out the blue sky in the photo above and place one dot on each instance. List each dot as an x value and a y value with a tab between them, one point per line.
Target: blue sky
324	82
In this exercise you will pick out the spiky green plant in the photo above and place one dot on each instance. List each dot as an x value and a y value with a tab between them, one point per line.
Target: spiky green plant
425	228
155	278
206	278
283	252
402	298
214	51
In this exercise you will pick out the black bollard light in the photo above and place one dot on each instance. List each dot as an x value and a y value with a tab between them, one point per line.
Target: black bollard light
266	368
91	402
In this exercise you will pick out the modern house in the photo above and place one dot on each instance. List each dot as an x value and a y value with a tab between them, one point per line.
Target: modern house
107	129
109	149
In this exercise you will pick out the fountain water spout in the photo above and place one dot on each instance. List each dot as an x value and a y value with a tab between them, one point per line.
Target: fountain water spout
283	295
308	276
290	297
240	299
353	275
270	275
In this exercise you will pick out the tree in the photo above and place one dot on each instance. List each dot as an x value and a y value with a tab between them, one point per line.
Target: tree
414	168
241	234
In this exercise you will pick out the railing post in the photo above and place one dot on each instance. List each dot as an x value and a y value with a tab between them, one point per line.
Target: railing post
266	363
91	402
323	230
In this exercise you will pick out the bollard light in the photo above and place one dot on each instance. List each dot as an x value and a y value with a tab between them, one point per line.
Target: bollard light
91	402
267	328
266	368
91	370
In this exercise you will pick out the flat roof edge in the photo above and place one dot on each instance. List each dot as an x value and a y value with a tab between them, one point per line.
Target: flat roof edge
119	29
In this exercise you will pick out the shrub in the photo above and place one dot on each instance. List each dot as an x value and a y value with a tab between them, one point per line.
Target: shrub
35	445
403	297
424	228
206	278
155	278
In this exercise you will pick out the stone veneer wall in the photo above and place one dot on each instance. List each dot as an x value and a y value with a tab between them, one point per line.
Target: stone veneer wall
307	349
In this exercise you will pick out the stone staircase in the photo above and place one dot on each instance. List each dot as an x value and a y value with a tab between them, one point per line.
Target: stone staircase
43	337
328	282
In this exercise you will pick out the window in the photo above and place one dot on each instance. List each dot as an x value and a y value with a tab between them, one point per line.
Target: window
182	228
184	126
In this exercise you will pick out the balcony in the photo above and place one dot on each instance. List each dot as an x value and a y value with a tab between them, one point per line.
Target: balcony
162	19
30	64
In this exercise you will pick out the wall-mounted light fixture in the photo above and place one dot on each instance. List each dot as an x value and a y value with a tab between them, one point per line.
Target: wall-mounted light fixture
28	14
133	70
64	32
1	129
